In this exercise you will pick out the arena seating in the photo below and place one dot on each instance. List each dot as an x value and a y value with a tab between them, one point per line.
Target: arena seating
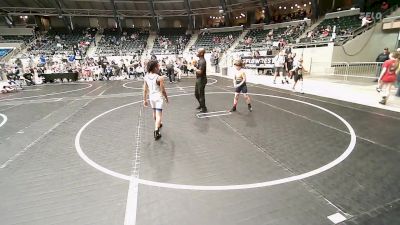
60	41
260	38
170	41
16	38
220	40
114	43
344	27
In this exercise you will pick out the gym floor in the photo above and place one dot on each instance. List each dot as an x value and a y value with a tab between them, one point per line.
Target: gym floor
84	153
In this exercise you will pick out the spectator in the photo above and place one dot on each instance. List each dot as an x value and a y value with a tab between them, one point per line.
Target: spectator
387	77
384	6
381	59
366	20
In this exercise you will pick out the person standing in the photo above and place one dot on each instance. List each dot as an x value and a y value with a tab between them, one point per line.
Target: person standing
154	89
201	80
381	59
280	64
170	70
388	76
289	64
298	71
239	82
398	80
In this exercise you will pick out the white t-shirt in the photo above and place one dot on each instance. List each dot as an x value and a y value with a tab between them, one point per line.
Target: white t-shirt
365	21
154	88
279	61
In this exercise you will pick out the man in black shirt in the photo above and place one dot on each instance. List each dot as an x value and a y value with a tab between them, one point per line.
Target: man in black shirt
381	59
201	80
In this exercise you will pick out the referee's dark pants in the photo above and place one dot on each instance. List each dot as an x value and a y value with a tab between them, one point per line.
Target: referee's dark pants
199	92
171	74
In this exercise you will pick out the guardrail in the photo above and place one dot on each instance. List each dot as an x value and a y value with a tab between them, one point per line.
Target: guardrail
346	70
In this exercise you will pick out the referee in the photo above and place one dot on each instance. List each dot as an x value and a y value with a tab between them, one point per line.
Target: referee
201	80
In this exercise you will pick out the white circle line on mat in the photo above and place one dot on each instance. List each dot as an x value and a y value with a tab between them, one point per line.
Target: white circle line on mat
4	119
314	172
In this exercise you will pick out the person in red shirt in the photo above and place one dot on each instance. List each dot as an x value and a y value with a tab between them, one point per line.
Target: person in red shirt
388	75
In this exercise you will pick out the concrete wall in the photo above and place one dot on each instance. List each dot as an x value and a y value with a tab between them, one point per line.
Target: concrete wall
81	21
10	45
366	47
175	22
319	57
15	31
56	22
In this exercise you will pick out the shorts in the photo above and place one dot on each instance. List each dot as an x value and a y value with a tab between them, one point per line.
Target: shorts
241	89
298	77
156	103
279	70
388	79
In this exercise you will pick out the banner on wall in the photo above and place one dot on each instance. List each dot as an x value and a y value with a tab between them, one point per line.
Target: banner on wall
259	62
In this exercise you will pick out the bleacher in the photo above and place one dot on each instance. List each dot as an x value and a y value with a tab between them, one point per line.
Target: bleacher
170	41
60	41
114	43
344	27
262	38
16	38
221	40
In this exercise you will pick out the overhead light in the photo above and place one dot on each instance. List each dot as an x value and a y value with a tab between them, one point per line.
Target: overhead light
242	14
305	5
291	7
210	17
263	11
280	7
295	4
284	7
309	3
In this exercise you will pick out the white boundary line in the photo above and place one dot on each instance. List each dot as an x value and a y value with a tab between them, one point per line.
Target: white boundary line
132	199
314	172
131	202
212	114
135	81
179	87
11	99
4	119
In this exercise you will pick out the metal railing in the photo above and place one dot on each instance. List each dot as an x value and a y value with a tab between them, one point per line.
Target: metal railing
361	71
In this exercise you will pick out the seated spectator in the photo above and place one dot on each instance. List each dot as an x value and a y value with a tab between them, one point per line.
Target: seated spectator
384	6
366	20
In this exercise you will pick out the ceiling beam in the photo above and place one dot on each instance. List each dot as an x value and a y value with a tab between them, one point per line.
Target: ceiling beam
9	21
226	12
29	11
154	21
116	16
67	23
189	13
